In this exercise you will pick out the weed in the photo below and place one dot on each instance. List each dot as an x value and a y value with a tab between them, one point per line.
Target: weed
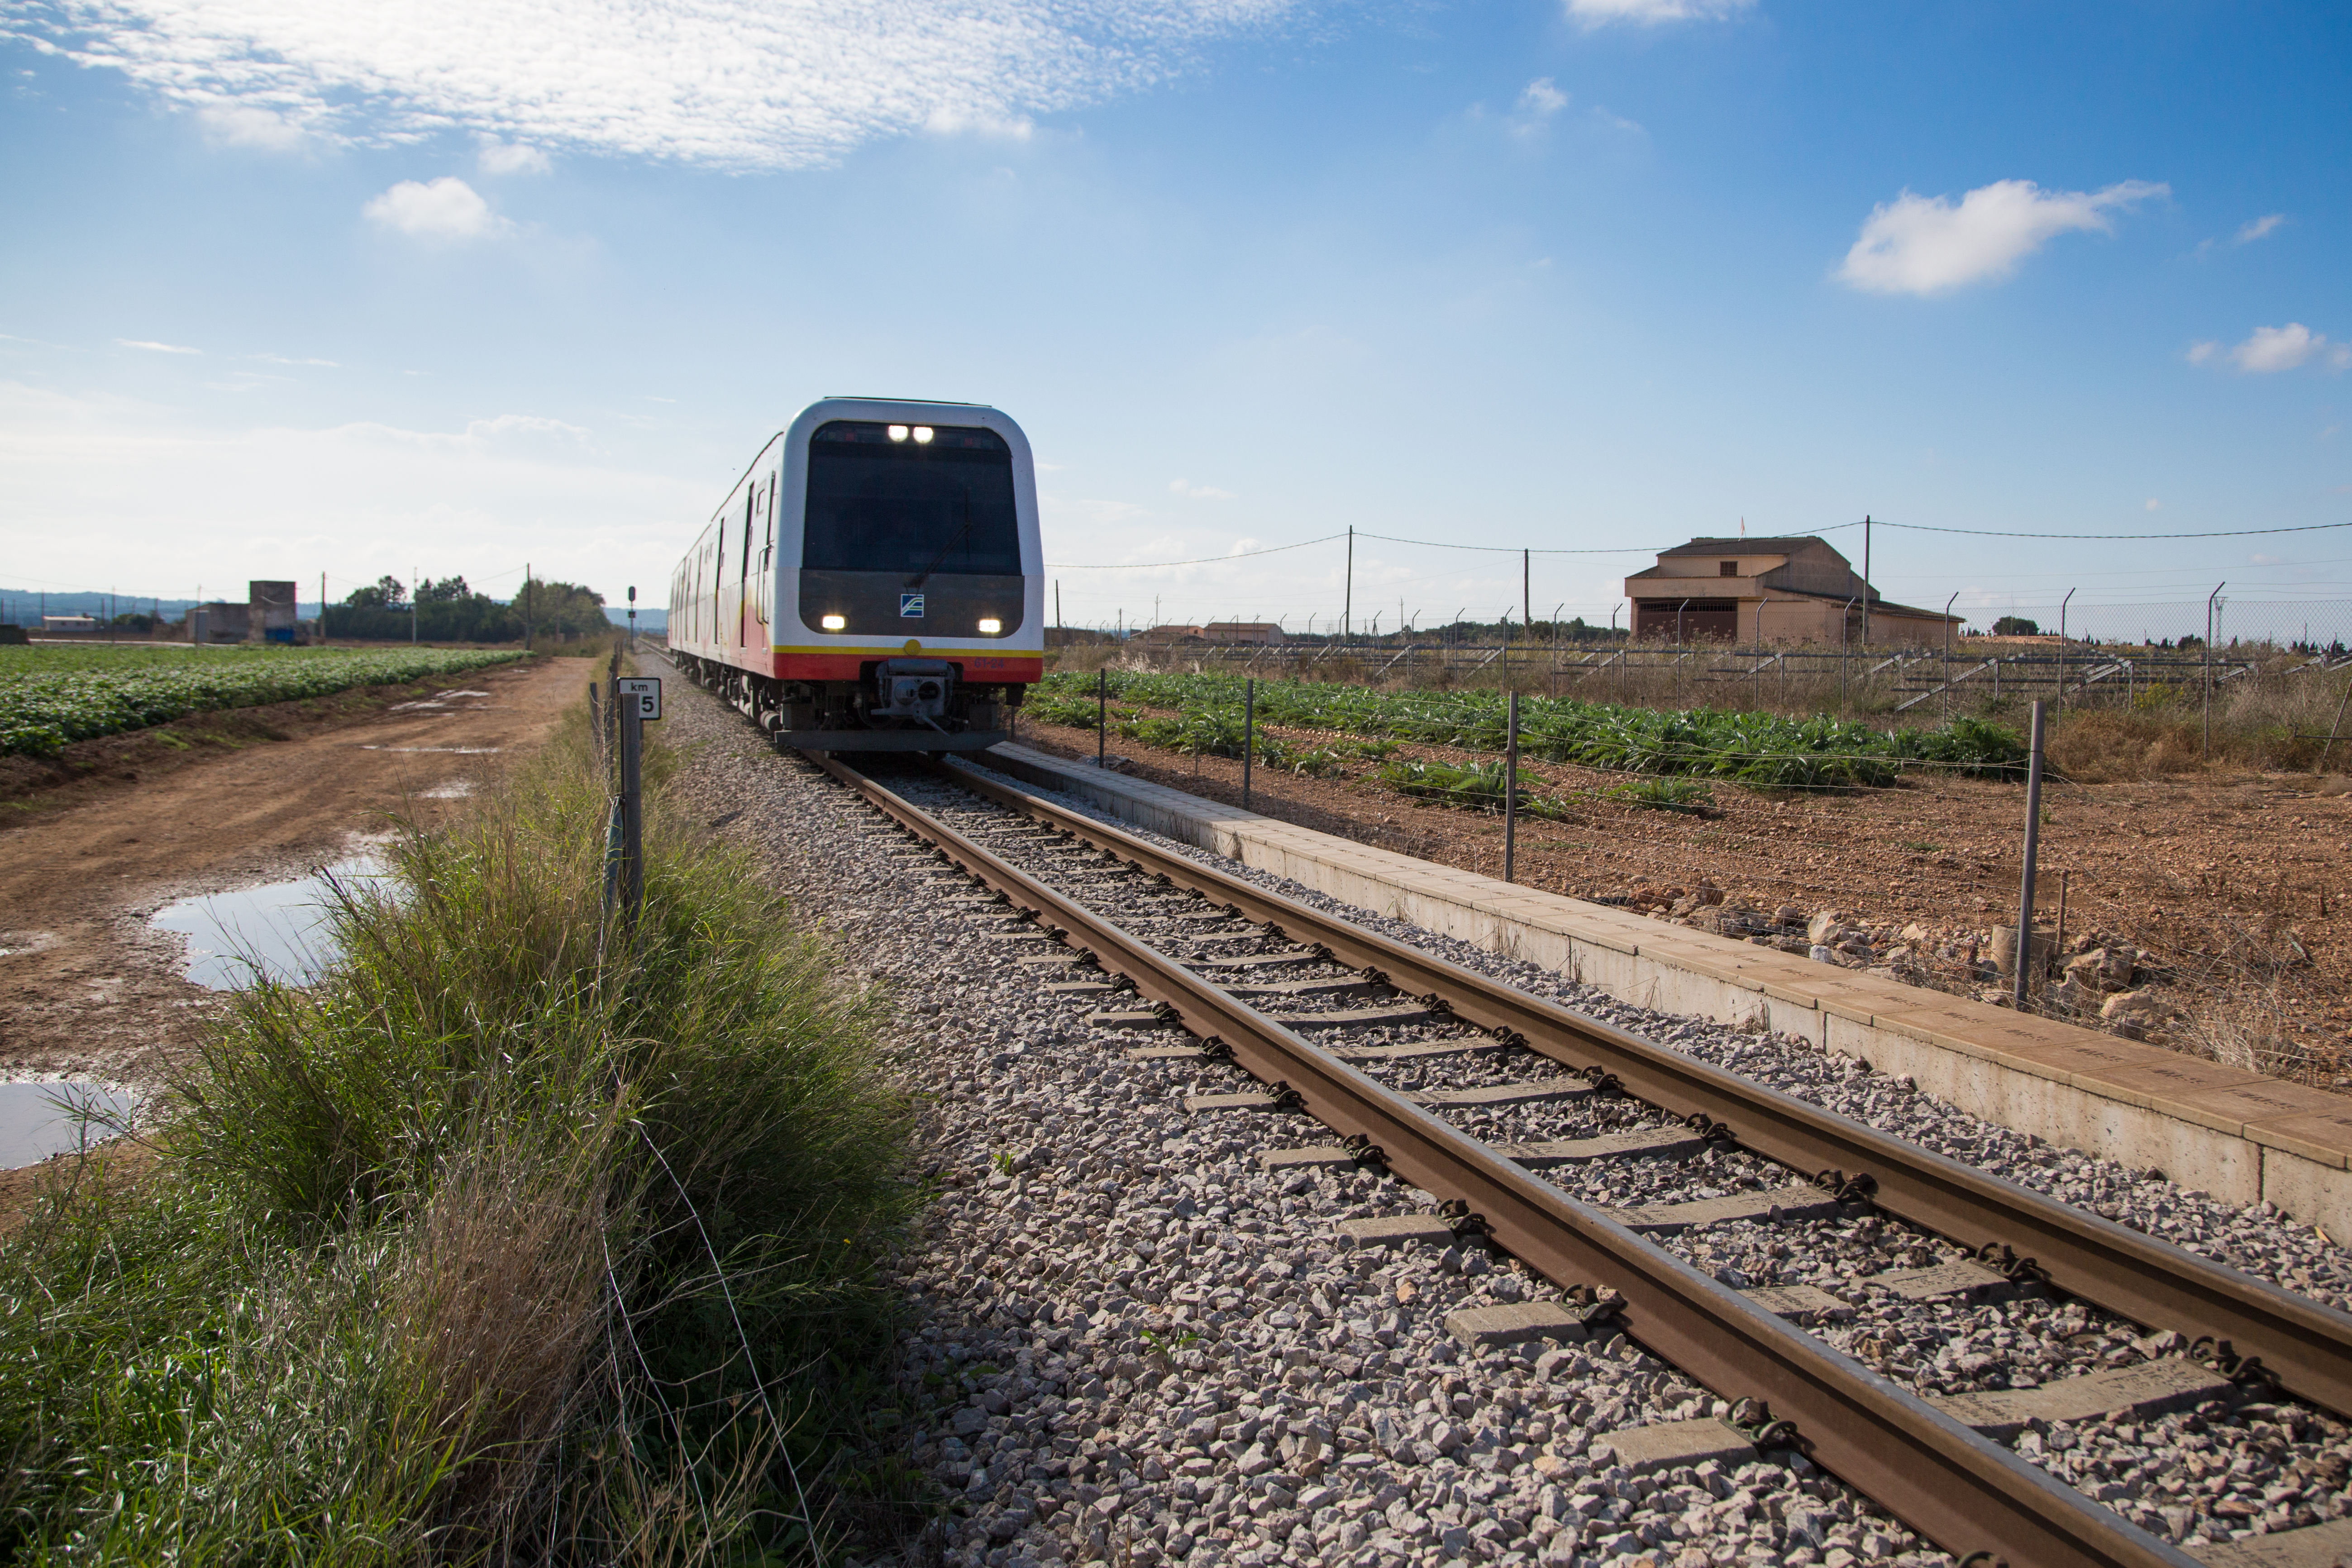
513	1236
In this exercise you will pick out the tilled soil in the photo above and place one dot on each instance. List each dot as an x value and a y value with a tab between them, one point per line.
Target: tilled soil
1139	1346
254	797
2231	886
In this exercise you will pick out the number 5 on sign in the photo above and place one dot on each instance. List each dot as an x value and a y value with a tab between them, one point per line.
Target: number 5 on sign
646	692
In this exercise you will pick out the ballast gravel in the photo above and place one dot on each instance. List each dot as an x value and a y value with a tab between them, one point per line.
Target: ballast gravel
1142	1348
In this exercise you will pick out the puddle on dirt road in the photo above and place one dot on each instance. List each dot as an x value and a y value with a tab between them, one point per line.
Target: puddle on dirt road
38	1120
279	930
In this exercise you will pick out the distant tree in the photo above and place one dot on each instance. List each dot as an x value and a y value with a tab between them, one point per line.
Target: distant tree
431	593
2015	627
388	593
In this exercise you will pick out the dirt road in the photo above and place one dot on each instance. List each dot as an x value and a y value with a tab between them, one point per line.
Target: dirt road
86	986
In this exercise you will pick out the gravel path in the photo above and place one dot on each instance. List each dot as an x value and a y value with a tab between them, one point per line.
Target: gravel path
1145	1348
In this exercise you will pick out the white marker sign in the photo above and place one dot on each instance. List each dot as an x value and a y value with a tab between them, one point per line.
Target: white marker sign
646	692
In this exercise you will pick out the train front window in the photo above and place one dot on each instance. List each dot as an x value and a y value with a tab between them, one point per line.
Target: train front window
878	501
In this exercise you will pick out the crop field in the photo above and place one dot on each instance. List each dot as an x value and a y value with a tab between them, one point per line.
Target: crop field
50	697
1762	750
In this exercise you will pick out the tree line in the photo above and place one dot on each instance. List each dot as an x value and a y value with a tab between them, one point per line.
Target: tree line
447	610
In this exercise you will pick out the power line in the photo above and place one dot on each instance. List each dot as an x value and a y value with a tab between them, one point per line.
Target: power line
1513	549
2116	538
1204	560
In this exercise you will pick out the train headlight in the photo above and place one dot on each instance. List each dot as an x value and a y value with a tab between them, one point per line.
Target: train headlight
922	434
835	622
898	432
990	627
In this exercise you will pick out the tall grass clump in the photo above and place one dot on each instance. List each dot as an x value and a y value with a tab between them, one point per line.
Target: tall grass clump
515	1237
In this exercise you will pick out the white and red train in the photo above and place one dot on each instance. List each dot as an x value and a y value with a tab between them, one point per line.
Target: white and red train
873	582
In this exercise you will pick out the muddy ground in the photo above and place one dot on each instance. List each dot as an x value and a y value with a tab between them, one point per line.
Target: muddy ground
91	848
2233	885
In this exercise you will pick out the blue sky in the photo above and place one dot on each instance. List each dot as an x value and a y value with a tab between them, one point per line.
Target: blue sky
289	286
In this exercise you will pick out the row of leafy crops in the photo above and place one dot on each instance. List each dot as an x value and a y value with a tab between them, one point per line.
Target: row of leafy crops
1759	750
51	697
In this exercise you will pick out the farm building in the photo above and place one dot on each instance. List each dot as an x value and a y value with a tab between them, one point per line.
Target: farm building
1788	590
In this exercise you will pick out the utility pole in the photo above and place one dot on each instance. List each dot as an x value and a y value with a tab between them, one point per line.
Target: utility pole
416	585
1527	594
1866	582
1348	601
322	609
1059	630
527	606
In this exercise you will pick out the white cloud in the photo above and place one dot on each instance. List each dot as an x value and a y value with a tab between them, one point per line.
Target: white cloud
1190	491
2202	350
2259	229
281	359
250	125
2273	348
2261	560
497	157
445	209
156	348
1924	245
1652	13
2154	504
1541	99
736	83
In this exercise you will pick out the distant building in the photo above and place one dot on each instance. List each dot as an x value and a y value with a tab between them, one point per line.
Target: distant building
1168	634
70	623
219	621
269	611
1788	590
1264	632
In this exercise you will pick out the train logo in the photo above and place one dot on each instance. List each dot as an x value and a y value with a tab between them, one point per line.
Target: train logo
865	506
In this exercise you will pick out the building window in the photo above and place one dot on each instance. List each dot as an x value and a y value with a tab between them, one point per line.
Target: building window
1726	568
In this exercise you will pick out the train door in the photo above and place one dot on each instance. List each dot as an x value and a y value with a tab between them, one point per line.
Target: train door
767	562
743	569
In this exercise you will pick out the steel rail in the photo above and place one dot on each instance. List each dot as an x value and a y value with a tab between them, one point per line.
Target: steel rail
2257	1329
1967	1494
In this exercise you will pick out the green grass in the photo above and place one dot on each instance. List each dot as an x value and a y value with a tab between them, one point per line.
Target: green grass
511	1237
50	697
1759	750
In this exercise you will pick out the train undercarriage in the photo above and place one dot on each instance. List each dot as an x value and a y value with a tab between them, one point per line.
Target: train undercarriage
897	705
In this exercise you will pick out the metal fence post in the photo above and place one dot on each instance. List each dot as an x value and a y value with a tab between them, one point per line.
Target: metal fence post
2033	848
1511	792
1249	737
1102	714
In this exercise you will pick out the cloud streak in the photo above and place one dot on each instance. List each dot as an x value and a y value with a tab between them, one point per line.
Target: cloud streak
2269	350
156	348
1928	244
728	83
1652	13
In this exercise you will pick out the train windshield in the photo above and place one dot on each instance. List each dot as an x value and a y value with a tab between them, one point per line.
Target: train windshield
917	499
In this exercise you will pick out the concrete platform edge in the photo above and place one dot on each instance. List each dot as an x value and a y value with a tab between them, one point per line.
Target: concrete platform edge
2055	1081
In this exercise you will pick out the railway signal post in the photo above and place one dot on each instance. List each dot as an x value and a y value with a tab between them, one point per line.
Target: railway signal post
636	700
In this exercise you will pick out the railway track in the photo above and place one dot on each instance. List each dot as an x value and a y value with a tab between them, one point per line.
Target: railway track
1627	1268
